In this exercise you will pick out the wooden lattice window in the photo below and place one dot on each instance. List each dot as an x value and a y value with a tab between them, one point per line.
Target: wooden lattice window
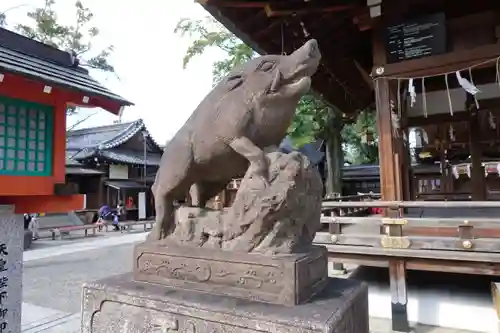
26	131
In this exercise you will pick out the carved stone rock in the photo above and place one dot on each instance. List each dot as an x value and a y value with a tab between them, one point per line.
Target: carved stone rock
119	305
276	214
282	279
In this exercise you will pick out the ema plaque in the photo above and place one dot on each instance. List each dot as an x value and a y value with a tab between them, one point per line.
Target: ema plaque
418	38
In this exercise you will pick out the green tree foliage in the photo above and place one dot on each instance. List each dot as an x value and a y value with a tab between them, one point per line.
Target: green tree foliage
357	149
46	28
207	33
313	118
77	37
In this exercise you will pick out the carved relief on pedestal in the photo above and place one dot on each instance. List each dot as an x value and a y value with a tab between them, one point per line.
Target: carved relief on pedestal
116	316
92	300
265	278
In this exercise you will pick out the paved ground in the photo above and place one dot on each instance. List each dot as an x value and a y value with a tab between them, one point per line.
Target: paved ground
55	270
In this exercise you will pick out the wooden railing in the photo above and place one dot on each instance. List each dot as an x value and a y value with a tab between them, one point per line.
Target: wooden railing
396	234
401	240
348	211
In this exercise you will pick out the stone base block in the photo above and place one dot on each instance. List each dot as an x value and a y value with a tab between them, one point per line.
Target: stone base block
121	305
281	279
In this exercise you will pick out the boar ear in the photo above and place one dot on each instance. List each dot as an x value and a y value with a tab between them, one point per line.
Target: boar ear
234	81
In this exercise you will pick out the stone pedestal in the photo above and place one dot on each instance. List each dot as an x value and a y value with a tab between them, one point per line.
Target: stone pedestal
11	262
120	304
286	279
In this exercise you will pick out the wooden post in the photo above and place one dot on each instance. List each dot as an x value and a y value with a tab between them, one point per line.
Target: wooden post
399	298
391	183
387	150
405	151
334	164
100	192
477	172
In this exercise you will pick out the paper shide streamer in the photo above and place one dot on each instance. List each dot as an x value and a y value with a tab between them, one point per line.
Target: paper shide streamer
466	84
412	93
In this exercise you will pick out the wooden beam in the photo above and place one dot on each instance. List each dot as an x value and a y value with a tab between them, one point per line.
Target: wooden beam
255	20
233	4
399	296
363	20
267	30
275	11
364	74
277	8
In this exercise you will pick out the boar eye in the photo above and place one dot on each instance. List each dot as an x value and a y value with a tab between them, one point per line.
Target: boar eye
266	66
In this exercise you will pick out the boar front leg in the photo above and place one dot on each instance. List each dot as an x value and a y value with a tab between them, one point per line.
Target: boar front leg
259	162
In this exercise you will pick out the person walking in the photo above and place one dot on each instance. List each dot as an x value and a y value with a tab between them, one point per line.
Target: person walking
33	226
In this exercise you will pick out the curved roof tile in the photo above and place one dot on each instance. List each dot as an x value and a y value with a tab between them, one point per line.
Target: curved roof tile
104	141
22	55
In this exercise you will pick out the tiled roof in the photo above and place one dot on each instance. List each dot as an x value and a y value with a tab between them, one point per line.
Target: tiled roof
366	171
70	161
94	136
107	137
28	57
72	170
124	184
131	157
105	141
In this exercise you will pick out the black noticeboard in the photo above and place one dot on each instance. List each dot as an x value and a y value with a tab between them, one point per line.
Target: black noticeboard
417	38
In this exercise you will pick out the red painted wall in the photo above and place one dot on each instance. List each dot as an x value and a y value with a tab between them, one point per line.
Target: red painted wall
22	190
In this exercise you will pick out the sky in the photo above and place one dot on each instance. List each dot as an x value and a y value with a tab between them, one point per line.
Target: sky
147	58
